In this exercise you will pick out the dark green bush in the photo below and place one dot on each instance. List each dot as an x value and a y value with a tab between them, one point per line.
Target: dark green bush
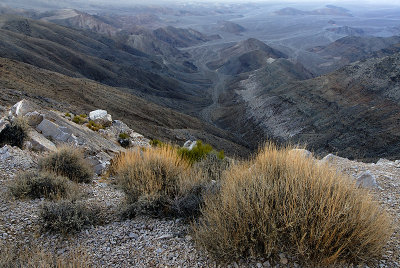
14	133
123	140
67	217
199	152
33	184
123	135
68	162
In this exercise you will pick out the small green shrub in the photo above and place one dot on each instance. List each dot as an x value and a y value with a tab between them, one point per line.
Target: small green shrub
124	140
123	135
68	115
221	154
14	133
68	162
67	217
33	184
79	120
83	115
94	126
156	143
199	152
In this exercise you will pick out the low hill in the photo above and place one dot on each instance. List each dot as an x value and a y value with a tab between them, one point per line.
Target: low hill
347	50
346	30
181	37
231	27
245	56
327	10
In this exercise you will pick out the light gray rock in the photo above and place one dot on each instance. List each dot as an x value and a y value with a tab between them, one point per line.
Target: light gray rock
100	162
23	107
303	152
39	143
3	124
189	145
33	118
56	132
101	117
366	180
4	152
386	162
331	158
118	127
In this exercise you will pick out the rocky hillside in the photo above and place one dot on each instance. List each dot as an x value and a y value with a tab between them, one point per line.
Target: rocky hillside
56	91
354	111
81	20
347	50
93	56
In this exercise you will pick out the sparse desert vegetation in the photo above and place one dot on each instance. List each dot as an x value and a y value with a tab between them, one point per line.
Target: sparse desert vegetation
35	184
68	162
156	180
67	217
13	255
282	201
131	134
277	202
94	126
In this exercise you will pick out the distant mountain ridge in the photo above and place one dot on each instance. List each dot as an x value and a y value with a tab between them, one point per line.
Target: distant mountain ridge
327	10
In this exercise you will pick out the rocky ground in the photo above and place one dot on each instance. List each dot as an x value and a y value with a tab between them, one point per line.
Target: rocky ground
149	242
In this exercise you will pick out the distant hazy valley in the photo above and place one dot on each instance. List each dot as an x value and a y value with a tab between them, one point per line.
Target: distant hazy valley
233	75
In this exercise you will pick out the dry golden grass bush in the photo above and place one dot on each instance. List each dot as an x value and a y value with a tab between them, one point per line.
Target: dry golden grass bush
31	256
284	202
155	177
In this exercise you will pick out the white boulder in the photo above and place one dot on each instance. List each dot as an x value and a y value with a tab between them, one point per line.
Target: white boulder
366	180
101	117
23	107
189	145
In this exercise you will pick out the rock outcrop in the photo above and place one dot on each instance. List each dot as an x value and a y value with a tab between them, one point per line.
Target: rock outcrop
101	117
50	129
